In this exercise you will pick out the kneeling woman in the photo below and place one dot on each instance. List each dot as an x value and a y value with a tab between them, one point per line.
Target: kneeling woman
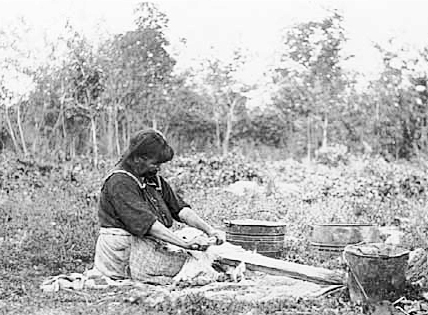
137	207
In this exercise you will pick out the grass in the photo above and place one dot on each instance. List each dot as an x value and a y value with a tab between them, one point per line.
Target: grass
48	226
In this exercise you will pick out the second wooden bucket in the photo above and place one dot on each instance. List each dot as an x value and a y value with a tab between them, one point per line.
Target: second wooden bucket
264	237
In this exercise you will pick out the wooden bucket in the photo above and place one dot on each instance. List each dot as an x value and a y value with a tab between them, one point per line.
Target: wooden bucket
376	271
264	237
331	239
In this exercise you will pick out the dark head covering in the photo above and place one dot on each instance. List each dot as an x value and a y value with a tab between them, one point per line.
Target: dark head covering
150	144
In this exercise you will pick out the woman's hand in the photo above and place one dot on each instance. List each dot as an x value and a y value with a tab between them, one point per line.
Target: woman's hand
198	243
189	217
219	235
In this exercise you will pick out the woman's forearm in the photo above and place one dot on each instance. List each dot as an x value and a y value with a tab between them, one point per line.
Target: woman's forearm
189	217
159	231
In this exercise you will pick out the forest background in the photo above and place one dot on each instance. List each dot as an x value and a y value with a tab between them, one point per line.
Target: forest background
87	99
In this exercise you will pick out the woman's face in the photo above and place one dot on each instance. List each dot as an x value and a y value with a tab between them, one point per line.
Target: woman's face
146	166
152	166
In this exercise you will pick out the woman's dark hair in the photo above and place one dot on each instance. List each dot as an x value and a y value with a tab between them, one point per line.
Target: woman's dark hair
149	144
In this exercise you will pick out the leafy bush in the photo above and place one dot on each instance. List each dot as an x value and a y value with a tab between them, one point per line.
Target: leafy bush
201	171
332	155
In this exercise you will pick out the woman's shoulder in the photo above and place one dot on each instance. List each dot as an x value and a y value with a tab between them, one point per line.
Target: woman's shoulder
121	177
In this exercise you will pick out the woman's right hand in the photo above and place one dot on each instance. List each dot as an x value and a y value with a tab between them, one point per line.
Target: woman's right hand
198	243
161	232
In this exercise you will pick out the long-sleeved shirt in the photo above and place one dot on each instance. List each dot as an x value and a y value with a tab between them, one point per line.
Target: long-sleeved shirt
124	204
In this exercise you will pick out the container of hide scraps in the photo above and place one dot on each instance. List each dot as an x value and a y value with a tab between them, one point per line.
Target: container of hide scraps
376	271
329	240
264	237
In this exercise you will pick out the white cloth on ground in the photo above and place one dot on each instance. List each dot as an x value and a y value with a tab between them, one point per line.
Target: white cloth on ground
77	281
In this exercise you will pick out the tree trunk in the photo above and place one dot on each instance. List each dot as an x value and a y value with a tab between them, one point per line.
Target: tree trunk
110	130
217	132
64	134
21	132
377	112
60	121
124	135
94	140
154	123
397	150
424	134
2	144
309	137
116	131
63	118
34	145
73	148
324	133
12	134
38	141
166	128
128	129
229	126
64	129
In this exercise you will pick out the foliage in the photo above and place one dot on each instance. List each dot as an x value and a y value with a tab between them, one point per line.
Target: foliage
332	155
311	81
86	99
202	171
262	127
16	79
139	68
226	94
190	122
398	105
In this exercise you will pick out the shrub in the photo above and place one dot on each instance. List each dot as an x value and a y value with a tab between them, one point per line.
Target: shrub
332	155
201	171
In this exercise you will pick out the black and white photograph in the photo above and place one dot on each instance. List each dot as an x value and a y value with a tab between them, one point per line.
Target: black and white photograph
210	157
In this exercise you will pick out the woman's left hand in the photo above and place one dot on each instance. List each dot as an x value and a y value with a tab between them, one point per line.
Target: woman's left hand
219	235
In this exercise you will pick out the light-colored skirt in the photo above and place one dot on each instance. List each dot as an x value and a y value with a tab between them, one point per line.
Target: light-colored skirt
119	255
154	258
112	253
